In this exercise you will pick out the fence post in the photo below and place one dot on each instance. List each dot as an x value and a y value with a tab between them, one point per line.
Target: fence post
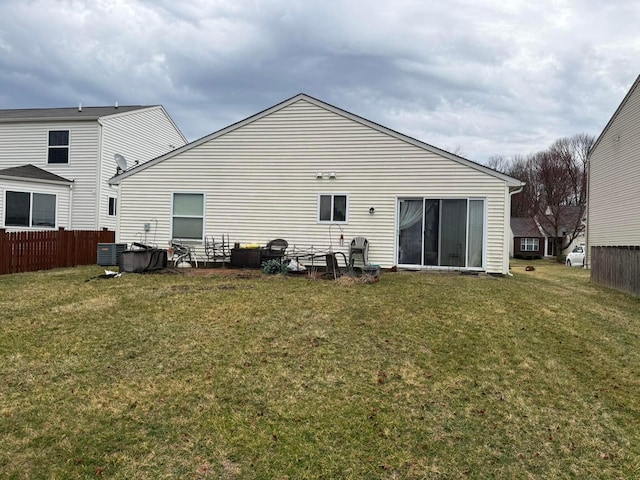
62	248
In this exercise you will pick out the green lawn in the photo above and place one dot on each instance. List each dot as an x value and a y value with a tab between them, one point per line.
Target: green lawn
417	376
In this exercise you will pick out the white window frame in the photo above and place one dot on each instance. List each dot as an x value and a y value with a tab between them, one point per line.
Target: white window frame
333	195
203	216
31	225
528	244
67	146
111	200
423	199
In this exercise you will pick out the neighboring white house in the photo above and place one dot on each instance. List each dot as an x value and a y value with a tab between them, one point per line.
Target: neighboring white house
55	163
613	208
309	172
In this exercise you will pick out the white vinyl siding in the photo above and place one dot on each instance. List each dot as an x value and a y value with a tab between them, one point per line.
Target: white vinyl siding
261	182
614	180
139	136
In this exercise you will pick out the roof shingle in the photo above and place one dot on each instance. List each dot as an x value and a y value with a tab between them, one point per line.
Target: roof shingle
32	172
525	227
68	113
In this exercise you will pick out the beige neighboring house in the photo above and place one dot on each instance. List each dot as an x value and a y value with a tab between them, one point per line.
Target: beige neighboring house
309	172
55	163
613	212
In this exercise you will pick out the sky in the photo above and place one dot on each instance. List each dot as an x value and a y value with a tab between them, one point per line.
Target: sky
476	77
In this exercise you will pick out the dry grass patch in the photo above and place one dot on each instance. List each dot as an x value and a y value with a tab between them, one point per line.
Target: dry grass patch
416	376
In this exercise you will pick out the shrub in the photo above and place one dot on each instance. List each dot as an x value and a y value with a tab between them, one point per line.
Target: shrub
274	266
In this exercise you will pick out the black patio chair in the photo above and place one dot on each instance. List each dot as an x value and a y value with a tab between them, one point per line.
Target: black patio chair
274	250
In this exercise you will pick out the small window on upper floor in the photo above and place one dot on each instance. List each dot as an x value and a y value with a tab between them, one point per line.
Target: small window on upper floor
112	207
58	151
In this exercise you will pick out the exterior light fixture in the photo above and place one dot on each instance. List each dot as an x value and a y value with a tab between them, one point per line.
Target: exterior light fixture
372	210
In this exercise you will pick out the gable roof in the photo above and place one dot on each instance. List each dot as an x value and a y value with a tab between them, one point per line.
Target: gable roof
615	114
66	114
512	182
31	172
525	227
569	217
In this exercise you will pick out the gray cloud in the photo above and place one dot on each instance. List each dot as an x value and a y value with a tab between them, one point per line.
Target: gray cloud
486	77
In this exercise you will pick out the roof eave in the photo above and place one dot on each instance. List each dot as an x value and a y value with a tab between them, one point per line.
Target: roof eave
35	180
49	119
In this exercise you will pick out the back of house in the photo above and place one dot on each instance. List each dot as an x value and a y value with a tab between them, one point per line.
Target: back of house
318	176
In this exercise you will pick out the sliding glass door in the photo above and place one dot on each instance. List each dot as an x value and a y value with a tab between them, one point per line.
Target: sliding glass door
441	232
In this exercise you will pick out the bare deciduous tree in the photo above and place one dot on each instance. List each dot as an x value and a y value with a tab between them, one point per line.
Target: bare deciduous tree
556	187
523	204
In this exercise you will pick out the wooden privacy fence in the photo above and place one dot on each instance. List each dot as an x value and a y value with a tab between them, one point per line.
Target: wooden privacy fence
617	267
43	250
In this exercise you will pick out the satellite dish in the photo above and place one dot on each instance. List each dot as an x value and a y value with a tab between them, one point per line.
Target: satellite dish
120	161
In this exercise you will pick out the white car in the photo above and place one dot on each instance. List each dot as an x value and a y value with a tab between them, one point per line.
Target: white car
576	257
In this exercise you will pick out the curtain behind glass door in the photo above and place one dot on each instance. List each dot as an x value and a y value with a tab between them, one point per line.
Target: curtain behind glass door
410	232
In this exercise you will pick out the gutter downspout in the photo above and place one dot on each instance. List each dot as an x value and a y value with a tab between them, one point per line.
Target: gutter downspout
70	209
508	222
587	254
98	198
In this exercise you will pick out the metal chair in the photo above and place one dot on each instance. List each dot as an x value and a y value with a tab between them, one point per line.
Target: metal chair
181	254
217	250
275	249
359	247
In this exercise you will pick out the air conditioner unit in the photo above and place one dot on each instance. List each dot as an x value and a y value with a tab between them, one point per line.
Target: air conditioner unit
110	253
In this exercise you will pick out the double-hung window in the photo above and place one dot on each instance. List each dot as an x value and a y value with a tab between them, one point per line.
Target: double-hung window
529	245
188	216
333	208
26	209
58	146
